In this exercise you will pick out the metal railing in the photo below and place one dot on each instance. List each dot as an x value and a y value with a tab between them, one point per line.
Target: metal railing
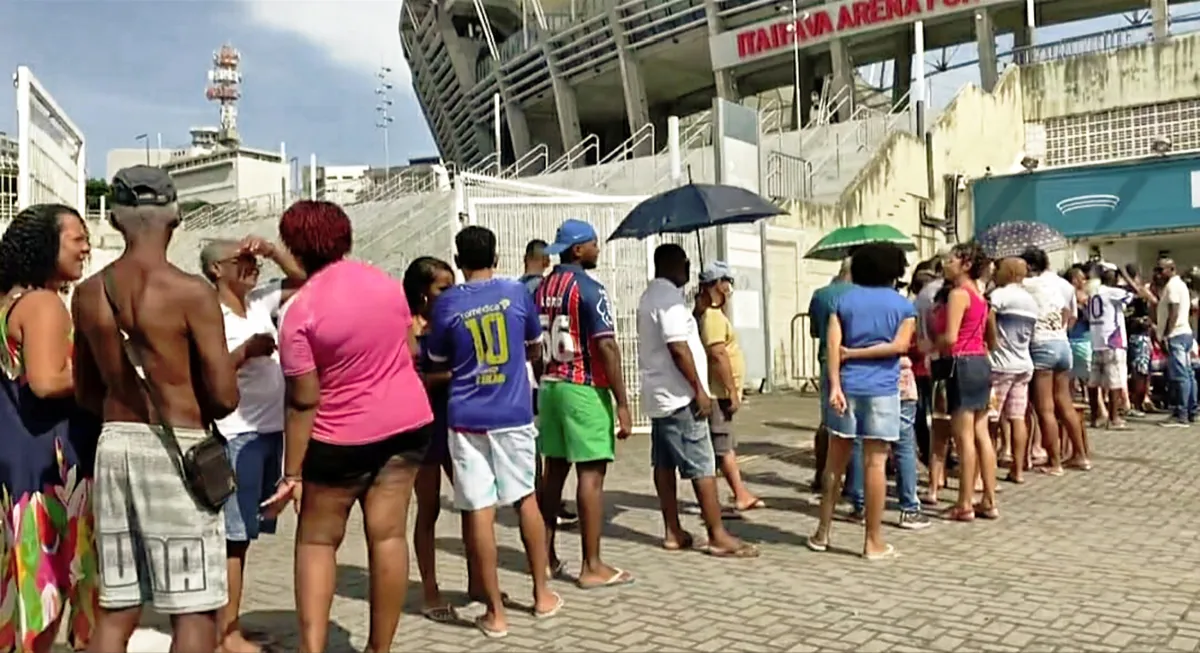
641	141
805	368
529	162
788	176
589	145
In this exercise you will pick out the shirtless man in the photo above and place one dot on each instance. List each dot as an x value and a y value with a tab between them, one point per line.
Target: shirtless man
155	543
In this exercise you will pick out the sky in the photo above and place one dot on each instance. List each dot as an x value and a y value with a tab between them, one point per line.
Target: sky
120	68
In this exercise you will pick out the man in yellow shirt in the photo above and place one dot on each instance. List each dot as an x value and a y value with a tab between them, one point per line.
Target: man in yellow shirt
726	374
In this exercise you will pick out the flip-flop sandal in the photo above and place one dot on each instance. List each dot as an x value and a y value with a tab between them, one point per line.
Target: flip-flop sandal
992	513
929	501
730	512
621	577
687	544
558	605
743	551
489	632
814	545
1049	471
758	504
559	571
960	514
1015	481
505	599
1078	467
442	614
889	553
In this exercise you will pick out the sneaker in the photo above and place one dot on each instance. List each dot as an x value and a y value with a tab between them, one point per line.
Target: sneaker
566	517
1133	412
914	520
1175	424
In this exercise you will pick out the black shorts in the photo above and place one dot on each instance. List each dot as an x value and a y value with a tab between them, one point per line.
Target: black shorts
358	465
969	387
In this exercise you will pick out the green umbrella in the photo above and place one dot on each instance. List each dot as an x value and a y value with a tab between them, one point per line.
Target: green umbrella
839	243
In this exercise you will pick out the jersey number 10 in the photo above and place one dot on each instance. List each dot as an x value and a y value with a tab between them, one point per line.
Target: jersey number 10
490	335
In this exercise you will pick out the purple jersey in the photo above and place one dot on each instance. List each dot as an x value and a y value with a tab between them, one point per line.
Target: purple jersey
480	330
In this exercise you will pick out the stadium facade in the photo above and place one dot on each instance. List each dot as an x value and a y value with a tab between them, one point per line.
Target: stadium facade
564	71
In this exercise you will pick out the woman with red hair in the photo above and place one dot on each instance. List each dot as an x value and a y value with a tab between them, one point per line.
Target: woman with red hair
358	420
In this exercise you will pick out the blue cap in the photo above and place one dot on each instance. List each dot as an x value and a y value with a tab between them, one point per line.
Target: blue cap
716	271
572	232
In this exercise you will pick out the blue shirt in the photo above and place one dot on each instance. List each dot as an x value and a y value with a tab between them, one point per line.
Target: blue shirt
531	281
438	396
871	316
481	329
575	312
822	305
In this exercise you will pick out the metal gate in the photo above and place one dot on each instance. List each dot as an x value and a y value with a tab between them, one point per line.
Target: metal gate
50	149
625	266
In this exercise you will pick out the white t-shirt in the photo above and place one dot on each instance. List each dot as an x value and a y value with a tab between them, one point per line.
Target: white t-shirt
1175	292
662	318
1016	317
260	379
1053	294
1106	313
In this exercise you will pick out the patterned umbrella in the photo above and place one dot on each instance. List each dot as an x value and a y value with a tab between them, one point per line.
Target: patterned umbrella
839	243
1012	238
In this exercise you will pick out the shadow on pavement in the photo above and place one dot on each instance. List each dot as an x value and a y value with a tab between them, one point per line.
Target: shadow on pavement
279	629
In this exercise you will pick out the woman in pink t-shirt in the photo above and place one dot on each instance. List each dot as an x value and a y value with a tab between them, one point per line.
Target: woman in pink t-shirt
961	322
358	419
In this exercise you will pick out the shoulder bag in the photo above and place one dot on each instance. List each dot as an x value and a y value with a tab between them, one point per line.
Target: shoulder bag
205	468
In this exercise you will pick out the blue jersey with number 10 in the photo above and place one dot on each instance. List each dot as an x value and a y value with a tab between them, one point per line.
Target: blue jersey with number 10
481	329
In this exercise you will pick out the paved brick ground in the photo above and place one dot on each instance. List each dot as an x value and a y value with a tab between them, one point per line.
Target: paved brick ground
1102	561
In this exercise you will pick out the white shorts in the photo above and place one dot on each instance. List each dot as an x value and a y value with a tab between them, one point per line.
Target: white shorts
155	543
1110	369
494	468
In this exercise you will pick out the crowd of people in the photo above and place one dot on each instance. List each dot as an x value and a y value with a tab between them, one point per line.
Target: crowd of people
152	432
985	363
156	429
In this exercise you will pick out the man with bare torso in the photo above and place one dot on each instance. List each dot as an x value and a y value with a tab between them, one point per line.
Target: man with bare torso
156	544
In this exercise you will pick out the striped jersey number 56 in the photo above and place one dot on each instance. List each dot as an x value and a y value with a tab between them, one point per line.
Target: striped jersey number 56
557	342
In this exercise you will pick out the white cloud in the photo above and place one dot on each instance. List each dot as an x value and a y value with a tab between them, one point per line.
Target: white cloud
360	35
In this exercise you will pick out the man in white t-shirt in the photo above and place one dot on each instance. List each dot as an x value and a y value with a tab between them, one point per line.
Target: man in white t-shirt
254	431
1110	367
673	368
1175	333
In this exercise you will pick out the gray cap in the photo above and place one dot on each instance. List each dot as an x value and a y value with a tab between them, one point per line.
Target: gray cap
716	271
143	186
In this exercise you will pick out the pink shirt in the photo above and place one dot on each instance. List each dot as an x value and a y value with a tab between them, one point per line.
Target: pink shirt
971	332
349	322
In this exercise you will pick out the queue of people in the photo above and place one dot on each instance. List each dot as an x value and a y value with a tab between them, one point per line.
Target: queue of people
994	356
160	426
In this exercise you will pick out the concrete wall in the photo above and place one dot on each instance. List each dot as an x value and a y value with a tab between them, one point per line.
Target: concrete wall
1146	74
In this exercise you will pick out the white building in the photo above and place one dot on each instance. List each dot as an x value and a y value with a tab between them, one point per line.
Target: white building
209	172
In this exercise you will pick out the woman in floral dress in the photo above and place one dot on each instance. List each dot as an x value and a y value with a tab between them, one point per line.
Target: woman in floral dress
47	444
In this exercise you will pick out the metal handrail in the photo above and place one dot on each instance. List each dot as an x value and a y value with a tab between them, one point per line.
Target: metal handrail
539	152
590	143
490	162
626	150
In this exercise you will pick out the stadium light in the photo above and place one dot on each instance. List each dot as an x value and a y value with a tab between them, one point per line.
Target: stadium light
146	138
383	118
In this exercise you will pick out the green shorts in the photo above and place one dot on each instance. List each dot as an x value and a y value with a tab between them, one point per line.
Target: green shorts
575	422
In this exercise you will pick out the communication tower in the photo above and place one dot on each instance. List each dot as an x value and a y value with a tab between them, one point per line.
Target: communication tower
225	88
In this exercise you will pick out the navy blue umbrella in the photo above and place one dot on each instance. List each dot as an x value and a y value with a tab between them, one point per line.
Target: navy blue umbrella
691	208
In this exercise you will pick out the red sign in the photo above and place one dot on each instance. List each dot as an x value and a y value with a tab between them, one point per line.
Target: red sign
822	23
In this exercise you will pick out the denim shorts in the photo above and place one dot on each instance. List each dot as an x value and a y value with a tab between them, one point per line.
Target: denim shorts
681	441
257	460
970	384
1051	355
870	418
